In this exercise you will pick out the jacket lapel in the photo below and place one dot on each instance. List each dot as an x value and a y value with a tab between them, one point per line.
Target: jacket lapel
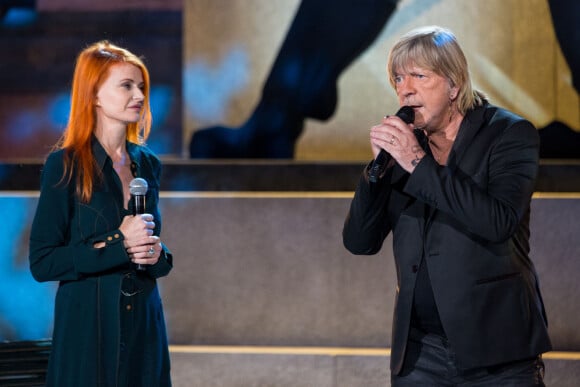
135	156
471	124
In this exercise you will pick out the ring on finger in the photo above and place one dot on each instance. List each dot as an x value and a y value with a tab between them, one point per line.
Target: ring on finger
151	251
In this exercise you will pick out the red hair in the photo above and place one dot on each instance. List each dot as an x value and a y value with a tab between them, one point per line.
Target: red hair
92	69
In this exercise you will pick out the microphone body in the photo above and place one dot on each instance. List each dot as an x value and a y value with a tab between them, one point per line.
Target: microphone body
405	113
138	189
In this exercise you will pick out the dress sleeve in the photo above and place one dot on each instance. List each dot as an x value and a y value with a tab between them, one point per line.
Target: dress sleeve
165	262
54	254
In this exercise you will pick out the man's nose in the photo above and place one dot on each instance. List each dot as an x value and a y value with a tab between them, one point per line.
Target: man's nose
406	87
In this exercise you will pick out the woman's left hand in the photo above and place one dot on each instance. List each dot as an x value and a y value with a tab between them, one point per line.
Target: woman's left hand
147	253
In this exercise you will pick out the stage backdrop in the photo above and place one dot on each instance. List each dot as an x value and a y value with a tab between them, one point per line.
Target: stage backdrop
39	42
229	48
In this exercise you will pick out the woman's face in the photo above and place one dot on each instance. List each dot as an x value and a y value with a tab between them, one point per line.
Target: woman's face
120	97
428	93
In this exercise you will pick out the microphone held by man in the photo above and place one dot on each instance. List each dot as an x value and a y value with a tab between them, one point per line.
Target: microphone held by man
405	113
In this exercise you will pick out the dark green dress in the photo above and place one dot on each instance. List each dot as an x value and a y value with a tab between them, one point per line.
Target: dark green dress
109	327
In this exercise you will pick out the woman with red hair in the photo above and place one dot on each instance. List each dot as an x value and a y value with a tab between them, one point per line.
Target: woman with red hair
109	327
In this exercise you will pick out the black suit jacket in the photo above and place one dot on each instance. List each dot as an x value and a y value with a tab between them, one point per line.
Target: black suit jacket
475	242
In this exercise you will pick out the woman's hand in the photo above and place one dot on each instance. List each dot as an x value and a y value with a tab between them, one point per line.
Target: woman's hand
141	245
137	230
146	254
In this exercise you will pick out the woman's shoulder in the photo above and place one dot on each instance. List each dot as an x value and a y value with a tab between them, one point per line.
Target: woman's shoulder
53	170
148	153
143	153
55	160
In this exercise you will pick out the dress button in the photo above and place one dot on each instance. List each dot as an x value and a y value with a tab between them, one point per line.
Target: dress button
116	235
415	268
128	307
109	238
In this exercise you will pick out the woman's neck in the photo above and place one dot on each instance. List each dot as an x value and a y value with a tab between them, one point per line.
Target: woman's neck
114	142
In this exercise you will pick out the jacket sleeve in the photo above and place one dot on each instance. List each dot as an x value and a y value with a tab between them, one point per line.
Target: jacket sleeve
489	207
53	255
165	262
366	225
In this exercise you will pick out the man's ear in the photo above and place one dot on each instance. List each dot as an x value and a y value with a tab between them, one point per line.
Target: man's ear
453	91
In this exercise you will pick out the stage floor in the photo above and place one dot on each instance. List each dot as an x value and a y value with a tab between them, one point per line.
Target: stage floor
229	366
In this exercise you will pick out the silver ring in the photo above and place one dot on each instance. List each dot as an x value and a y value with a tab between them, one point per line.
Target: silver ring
151	251
392	140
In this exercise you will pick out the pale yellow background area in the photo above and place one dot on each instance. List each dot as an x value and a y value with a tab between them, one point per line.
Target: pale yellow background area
511	47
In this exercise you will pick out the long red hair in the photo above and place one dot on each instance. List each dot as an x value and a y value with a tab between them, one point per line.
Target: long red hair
92	69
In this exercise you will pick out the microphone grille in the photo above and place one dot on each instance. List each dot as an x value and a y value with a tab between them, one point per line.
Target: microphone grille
407	114
138	186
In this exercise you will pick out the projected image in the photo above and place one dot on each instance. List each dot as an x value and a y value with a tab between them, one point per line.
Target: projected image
35	78
295	79
26	310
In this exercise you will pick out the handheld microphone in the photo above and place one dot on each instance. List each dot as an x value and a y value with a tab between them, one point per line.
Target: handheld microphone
138	189
407	114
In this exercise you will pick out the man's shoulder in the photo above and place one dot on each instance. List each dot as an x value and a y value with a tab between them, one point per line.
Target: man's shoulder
496	114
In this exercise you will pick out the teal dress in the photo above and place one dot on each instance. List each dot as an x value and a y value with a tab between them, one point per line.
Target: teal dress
109	327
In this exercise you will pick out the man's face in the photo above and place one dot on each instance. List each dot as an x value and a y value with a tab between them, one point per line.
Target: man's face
428	93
